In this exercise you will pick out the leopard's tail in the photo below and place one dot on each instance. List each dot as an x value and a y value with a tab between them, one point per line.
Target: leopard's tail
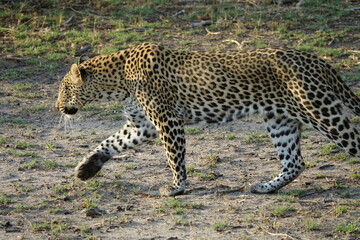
344	93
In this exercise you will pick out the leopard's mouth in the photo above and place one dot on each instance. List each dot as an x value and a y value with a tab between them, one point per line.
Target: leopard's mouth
70	110
67	110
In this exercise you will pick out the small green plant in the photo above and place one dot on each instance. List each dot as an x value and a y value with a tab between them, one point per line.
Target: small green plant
14	122
70	164
310	164
180	221
31	165
185	43
178	211
55	56
28	95
93	185
249	218
321	176
22	145
347	228
3	140
157	141
135	190
230	136
4	200
311	225
85	229
295	192
174	203
20	153
161	209
212	160
285	198
220	226
130	167
39	227
34	109
282	211
123	220
89	203
304	135
48	164
115	117
56	227
195	205
340	156
50	146
114	107
354	174
345	194
22	86
55	210
340	186
257	138
204	176
190	170
192	131
61	189
202	137
354	161
327	149
339	210
22	208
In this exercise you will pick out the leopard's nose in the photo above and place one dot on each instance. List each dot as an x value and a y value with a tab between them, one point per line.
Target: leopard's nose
70	111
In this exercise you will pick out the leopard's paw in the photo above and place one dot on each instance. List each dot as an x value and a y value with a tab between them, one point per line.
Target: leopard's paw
90	166
167	191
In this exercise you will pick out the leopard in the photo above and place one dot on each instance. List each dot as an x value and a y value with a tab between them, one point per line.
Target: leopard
163	89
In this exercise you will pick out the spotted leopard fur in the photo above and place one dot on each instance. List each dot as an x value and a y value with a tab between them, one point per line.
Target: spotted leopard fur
163	90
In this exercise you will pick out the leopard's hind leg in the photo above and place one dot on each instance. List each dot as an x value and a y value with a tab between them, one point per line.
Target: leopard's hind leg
338	128
285	135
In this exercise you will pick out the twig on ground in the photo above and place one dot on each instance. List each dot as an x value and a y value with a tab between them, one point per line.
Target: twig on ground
69	21
212	33
331	42
200	24
240	45
179	13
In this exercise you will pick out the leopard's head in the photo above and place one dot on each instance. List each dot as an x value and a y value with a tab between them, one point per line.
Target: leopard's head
71	91
94	78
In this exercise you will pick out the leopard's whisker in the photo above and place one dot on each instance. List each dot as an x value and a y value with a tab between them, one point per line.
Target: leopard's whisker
66	122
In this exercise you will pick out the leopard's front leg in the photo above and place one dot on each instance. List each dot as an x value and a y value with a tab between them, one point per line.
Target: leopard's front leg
136	131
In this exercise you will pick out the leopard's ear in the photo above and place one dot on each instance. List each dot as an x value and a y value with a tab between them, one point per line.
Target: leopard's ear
77	75
83	58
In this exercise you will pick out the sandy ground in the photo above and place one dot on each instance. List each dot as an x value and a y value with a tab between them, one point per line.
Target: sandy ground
41	199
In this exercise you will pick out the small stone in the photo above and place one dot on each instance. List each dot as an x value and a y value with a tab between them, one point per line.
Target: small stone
58	146
125	208
94	212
